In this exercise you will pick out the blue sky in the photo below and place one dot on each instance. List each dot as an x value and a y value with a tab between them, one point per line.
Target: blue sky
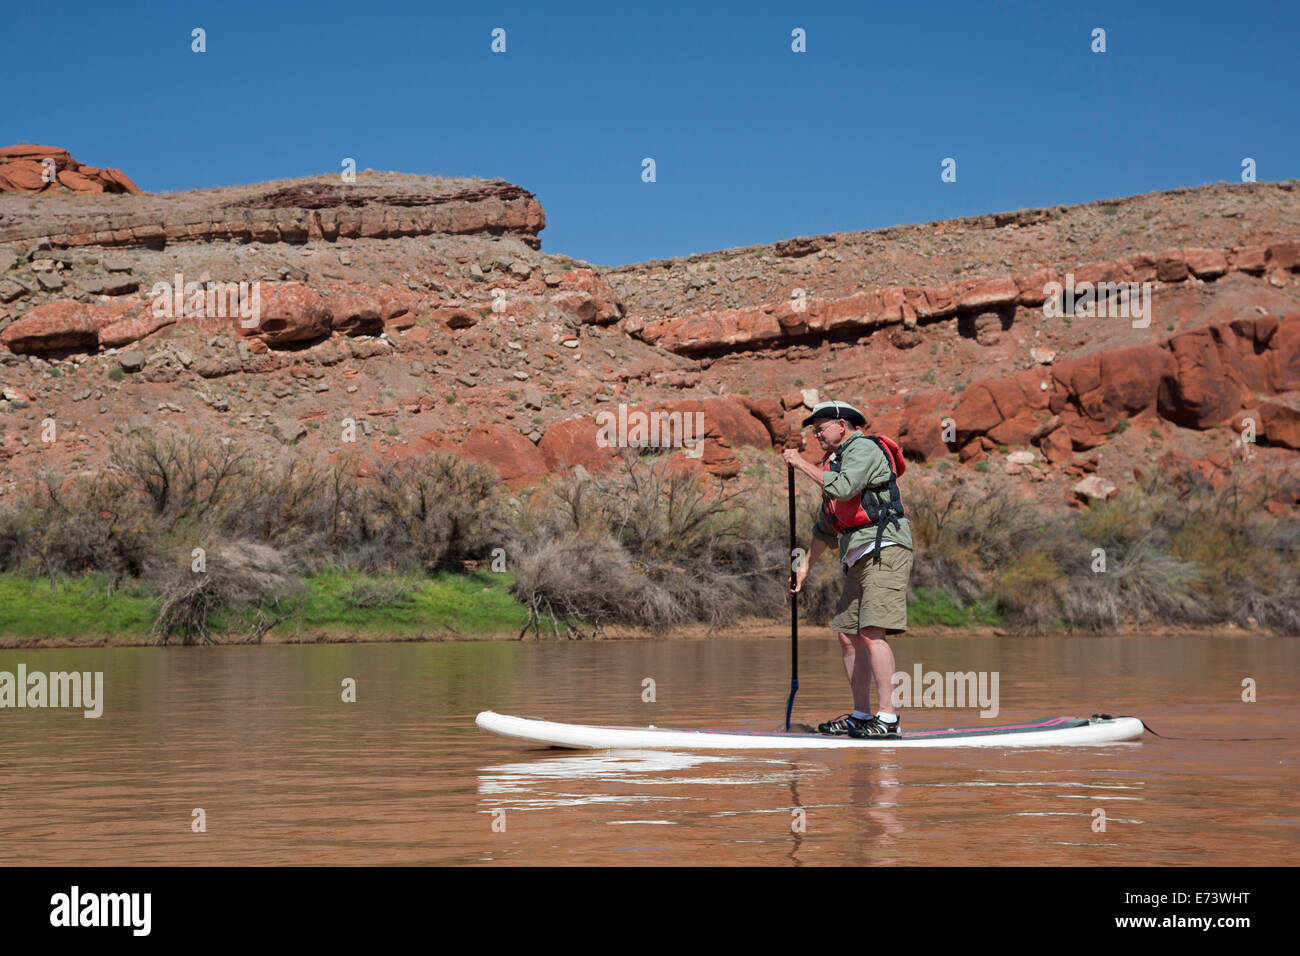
752	142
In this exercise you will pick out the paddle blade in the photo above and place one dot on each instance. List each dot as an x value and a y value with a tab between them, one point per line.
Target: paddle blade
796	728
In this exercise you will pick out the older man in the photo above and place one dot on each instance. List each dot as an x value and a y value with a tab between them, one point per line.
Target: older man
862	511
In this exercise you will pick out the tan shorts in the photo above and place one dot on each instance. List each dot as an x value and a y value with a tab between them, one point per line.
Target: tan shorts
875	595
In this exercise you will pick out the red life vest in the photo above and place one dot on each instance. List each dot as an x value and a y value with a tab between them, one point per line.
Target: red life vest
850	514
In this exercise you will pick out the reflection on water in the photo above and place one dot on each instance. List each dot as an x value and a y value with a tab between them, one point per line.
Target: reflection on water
287	772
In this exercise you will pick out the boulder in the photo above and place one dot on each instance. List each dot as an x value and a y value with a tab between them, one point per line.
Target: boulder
109	285
1252	259
288	431
976	412
1171	266
728	417
513	455
116	181
289	313
79	183
1094	488
920	429
1280	424
355	314
131	361
1206	263
1282	357
35	153
586	295
10	290
769	412
62	324
1283	255
573	442
132	329
22	176
1057	446
1201	391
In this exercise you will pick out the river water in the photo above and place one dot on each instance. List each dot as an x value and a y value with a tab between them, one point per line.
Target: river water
286	772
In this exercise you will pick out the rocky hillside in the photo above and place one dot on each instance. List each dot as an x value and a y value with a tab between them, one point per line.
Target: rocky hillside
424	311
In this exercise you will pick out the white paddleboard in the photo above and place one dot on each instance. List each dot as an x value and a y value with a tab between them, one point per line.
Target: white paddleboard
1047	732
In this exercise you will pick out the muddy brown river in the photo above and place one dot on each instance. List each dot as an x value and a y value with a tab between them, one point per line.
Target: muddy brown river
251	755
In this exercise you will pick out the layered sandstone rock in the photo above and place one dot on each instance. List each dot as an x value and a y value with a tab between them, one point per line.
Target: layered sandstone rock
790	320
715	427
53	327
30	168
379	207
1196	379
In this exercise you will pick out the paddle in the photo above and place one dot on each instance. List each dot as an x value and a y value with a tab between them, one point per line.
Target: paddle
794	607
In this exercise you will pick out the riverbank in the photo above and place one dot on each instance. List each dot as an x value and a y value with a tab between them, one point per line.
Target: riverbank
353	608
84	611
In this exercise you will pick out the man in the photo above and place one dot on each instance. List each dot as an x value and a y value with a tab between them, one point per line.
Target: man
862	512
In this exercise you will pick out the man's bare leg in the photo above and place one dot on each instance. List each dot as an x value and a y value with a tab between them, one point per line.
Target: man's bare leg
880	659
857	667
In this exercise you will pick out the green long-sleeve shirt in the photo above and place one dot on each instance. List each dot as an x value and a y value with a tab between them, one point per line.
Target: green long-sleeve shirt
862	465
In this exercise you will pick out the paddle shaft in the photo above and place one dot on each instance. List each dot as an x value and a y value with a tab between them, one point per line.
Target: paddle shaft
794	605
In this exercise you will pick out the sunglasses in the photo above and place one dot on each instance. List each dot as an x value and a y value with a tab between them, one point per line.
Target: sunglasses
821	429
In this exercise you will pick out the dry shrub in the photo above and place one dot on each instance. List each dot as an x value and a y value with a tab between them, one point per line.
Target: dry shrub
432	513
651	546
78	525
1140	584
244	577
963	537
188	479
1029	590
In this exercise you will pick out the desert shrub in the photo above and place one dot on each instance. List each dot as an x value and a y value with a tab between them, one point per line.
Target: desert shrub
665	548
433	513
242	579
189	480
1141	583
1029	591
379	594
962	537
81	524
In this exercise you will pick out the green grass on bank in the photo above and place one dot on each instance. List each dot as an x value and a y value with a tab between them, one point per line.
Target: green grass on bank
408	604
72	607
337	603
340	604
935	606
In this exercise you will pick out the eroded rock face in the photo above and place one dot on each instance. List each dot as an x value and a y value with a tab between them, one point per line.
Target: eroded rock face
426	311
